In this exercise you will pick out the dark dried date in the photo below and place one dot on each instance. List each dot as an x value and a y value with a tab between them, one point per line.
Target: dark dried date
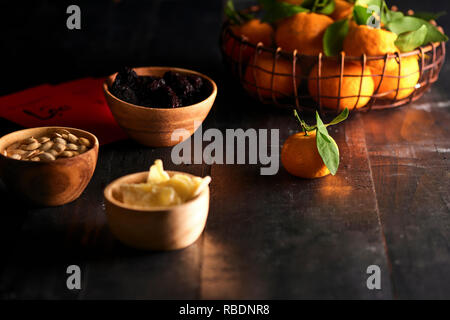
173	90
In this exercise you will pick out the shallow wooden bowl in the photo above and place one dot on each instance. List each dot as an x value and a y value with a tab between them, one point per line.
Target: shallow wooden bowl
154	126
159	228
48	183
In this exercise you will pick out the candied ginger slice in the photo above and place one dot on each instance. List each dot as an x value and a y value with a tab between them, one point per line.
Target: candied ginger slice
137	194
167	196
162	190
182	184
201	185
157	174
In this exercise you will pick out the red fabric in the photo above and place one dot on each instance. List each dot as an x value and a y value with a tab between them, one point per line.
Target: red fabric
78	104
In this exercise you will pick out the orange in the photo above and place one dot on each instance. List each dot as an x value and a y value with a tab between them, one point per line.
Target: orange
350	86
362	39
303	31
378	42
259	74
342	9
301	158
409	76
255	31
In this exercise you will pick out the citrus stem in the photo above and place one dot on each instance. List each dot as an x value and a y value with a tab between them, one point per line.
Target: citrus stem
314	6
381	11
300	121
305	127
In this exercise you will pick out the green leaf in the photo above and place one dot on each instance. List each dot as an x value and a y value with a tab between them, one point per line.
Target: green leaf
231	13
367	2
320	6
320	126
328	8
246	16
329	152
381	10
429	15
393	15
327	147
334	36
371	7
361	15
234	16
408	23
275	10
405	24
372	3
433	34
341	117
410	40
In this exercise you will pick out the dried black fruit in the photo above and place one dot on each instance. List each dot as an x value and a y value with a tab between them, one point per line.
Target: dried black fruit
180	84
164	97
196	81
156	84
171	77
145	81
127	77
174	101
124	93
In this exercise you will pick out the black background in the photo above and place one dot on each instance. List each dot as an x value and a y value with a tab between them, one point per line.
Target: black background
38	48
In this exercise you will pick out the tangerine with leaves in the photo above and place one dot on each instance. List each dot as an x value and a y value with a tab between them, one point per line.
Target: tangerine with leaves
301	158
372	41
302	32
312	153
363	39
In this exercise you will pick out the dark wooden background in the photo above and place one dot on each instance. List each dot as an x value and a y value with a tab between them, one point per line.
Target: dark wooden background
266	236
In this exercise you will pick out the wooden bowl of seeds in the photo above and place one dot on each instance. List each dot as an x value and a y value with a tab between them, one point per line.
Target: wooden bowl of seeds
48	166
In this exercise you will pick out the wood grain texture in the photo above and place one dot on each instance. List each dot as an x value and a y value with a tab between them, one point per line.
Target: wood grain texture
408	151
266	237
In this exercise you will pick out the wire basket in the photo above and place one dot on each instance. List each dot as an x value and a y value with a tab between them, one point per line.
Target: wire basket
287	79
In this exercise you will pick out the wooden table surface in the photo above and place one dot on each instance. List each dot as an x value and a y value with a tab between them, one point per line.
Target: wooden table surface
266	236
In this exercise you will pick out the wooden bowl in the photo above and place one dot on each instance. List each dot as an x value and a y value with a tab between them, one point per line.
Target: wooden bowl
48	183
159	228
154	126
